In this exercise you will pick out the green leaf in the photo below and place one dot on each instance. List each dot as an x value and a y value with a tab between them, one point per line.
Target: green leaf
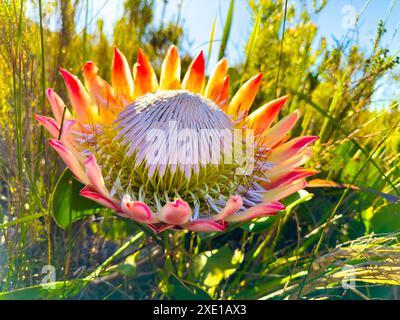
67	204
211	267
385	219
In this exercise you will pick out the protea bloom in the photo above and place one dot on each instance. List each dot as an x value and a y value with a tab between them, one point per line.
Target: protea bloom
106	138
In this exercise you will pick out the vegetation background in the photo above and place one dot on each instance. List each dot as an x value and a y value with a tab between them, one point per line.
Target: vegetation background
336	240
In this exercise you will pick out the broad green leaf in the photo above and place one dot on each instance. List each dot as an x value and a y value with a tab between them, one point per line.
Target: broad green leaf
68	205
386	219
211	267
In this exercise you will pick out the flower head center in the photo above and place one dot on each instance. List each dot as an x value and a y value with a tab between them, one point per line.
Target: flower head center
174	129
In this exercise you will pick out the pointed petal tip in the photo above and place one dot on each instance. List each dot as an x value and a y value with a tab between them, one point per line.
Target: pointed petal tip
141	55
95	176
65	74
200	56
171	71
89	63
244	97
117	53
173	52
302	142
119	59
70	80
121	76
311	139
70	122
199	60
222	65
255	80
89	66
259	76
49	91
70	160
49	124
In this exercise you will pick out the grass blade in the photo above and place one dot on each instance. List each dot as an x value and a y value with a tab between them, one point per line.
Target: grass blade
252	40
227	30
212	34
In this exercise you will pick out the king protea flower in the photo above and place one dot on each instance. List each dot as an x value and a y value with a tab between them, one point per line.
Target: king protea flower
107	137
